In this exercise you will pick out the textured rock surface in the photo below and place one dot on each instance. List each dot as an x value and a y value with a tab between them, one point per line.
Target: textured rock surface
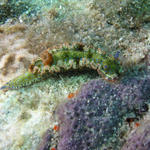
94	119
26	114
140	138
14	52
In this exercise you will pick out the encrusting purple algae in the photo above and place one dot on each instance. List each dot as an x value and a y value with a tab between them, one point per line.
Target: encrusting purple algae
139	139
93	119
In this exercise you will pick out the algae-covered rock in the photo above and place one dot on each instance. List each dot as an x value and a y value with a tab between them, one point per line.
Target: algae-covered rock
25	114
13	9
28	112
140	138
95	118
134	13
130	14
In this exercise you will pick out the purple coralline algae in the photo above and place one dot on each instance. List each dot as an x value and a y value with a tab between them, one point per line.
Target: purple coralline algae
140	139
94	118
45	144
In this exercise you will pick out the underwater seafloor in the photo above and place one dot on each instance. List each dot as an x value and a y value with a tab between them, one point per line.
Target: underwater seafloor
77	110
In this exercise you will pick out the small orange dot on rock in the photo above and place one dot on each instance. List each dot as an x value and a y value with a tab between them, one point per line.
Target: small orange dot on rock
56	128
137	124
71	95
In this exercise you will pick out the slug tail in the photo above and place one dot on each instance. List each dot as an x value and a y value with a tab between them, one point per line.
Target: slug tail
3	87
24	80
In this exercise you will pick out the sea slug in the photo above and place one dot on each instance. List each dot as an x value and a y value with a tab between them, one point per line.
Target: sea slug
68	57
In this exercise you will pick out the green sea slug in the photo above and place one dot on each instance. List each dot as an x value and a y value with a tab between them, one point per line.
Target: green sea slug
67	57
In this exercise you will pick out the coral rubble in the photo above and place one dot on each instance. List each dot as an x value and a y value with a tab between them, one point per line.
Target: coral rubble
14	53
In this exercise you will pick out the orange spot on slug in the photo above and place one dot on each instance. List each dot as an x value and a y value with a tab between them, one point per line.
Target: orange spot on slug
46	57
31	67
53	148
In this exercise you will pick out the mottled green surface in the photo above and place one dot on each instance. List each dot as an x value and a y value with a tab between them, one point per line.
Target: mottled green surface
23	80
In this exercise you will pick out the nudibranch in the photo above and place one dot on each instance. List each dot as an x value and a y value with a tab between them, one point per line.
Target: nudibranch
68	57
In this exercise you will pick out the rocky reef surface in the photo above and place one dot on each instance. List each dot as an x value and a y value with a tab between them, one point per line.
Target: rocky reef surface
15	56
139	138
27	113
31	30
97	117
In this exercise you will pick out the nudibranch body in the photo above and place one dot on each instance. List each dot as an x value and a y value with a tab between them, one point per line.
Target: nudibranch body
23	80
66	58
